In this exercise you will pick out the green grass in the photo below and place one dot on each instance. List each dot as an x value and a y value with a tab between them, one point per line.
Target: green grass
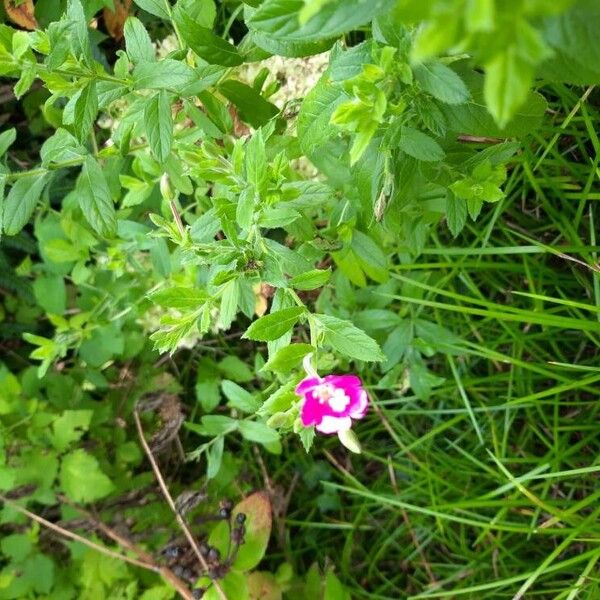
490	488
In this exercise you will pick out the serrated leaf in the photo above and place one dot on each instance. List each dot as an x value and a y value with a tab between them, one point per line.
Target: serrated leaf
137	41
255	162
260	433
21	201
238	397
281	18
81	478
274	218
154	7
288	358
180	298
315	115
253	108
307	437
212	48
311	280
230	298
507	81
244	210
85	110
370	256
347	339
419	145
441	82
159	125
456	213
95	200
164	74
69	427
274	325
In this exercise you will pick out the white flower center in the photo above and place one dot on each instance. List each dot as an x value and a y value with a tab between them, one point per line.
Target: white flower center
335	397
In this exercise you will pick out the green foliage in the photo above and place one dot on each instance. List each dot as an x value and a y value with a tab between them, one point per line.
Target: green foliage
167	194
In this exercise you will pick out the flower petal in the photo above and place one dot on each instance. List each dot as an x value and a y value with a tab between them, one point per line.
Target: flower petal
308	383
346	382
352	386
359	409
312	410
331	424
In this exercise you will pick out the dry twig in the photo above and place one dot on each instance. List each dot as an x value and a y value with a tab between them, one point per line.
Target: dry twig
167	495
74	536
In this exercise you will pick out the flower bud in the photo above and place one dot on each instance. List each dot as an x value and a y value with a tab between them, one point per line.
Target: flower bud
165	188
350	441
279	419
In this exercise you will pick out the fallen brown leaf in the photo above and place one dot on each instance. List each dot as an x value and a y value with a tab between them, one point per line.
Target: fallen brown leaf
115	20
22	14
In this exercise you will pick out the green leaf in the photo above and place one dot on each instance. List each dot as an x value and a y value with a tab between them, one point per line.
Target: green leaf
82	479
239	398
347	339
7	138
244	210
289	48
212	48
334	590
229	303
311	280
456	213
307	437
21	201
419	145
181	298
274	325
507	81
164	74
85	110
16	546
159	125
273	218
255	162
2	187
255	431
95	200
50	293
137	41
257	508
370	256
253	108
69	427
235	369
441	82
214	456
154	7
104	344
281	18
288	358
314	127
38	570
79	38
203	13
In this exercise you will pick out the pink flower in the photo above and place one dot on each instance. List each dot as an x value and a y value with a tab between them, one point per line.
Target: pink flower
331	402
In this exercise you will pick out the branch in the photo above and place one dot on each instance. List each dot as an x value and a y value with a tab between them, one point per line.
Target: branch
124	542
165	492
74	536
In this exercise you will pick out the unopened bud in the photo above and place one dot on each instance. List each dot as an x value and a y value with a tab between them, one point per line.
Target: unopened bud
165	188
279	419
